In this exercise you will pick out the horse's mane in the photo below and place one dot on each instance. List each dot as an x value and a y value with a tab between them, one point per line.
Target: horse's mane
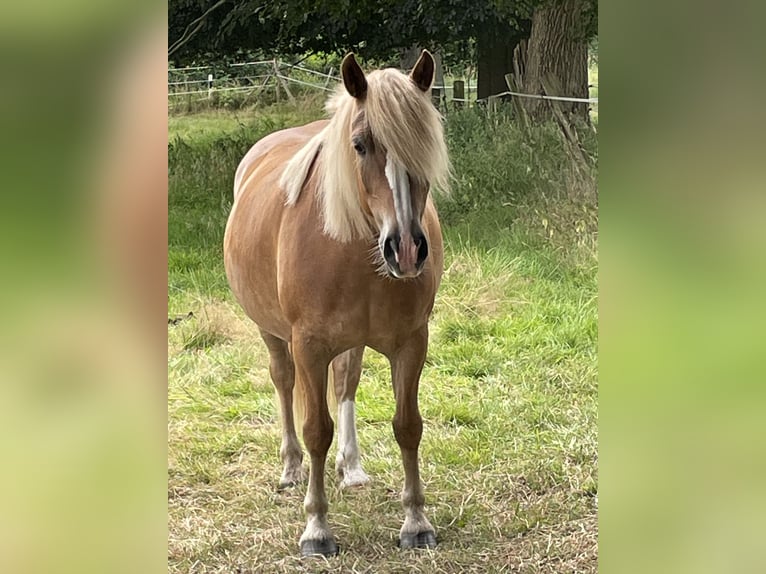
401	118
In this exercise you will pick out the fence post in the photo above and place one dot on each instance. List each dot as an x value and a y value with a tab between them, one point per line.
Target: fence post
210	86
282	81
458	94
276	79
329	77
514	84
492	103
436	94
552	87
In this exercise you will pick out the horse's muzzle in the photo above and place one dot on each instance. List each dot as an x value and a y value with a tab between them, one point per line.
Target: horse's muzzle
405	254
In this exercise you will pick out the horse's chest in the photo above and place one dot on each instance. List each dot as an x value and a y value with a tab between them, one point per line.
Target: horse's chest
352	314
400	310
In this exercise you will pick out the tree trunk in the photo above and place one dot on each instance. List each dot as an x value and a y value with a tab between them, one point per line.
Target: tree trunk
495	43
408	57
557	46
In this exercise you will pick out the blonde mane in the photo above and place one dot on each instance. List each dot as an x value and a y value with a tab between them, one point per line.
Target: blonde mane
401	119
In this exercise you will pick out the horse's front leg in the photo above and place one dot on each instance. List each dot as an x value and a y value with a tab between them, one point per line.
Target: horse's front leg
311	363
406	366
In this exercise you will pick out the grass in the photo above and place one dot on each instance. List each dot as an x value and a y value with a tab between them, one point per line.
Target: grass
211	124
593	91
508	393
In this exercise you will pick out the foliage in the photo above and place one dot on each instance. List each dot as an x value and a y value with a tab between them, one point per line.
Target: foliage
519	178
374	29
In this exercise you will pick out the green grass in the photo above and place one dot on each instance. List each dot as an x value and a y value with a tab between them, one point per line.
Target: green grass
593	91
508	393
210	125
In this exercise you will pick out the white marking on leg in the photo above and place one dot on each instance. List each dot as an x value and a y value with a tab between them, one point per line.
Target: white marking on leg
316	528
348	463
315	504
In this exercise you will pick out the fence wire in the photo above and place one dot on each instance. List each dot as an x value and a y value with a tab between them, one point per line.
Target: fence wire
210	86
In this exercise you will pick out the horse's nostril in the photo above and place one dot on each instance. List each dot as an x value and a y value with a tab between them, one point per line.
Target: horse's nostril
390	247
422	246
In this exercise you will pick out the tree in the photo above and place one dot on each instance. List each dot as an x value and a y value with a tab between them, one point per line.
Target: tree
193	27
495	42
372	28
380	29
558	51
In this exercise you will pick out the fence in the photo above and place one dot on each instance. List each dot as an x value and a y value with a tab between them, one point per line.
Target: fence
271	78
274	78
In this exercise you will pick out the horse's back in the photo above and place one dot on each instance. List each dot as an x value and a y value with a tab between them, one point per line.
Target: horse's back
275	148
252	231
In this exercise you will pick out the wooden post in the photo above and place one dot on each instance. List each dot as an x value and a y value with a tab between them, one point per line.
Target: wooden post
441	95
263	85
552	87
282	81
276	80
514	85
436	97
210	86
492	103
329	77
286	88
458	94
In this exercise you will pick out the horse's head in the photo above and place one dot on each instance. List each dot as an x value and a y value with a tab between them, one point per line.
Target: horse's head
396	137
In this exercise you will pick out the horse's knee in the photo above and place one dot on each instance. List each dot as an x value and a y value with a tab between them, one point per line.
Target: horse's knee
408	430
282	374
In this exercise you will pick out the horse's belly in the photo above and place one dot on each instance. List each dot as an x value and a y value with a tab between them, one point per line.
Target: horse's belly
250	260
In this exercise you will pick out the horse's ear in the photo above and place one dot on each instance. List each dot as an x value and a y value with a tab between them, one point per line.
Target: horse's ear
423	72
353	77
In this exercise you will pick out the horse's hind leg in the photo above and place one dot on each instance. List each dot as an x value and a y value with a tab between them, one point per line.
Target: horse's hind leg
346	370
282	373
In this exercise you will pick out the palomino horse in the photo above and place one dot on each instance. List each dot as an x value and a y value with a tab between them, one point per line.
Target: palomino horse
333	244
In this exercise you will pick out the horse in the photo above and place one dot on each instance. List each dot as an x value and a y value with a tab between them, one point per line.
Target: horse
333	244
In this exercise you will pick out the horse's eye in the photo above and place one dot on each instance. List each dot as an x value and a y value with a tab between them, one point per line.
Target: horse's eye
359	147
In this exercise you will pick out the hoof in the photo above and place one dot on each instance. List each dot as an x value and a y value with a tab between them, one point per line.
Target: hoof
290	478
425	539
356	477
326	547
287	484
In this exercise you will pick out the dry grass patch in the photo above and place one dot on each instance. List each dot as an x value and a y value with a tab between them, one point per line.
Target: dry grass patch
209	323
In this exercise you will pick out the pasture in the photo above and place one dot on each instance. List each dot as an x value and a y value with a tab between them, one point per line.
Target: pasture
508	394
